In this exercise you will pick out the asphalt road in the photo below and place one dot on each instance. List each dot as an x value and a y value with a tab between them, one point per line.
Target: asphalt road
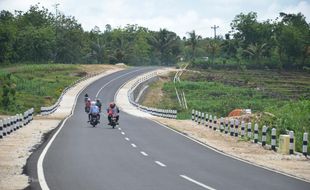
143	155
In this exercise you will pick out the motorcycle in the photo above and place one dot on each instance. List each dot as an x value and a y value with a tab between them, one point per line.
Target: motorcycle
94	120
113	122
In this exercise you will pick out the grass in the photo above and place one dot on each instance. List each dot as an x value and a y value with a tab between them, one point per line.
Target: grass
37	85
285	95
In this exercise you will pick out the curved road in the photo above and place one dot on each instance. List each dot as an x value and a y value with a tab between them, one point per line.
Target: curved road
143	155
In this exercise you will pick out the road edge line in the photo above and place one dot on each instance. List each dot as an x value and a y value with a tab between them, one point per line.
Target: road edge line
40	171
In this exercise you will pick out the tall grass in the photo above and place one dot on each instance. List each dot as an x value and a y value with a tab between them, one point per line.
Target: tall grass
38	85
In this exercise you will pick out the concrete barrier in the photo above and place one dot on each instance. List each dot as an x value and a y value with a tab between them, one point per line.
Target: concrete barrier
214	123
13	123
305	144
264	135
292	145
232	129
242	129
273	139
256	133
135	89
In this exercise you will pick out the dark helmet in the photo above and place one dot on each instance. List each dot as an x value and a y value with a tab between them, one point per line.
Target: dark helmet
112	105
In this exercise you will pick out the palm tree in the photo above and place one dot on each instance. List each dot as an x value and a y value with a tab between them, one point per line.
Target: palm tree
256	51
213	47
193	42
163	41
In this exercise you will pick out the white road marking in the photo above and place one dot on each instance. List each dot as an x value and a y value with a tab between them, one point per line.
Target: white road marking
40	170
197	182
127	139
114	80
143	153
119	129
159	163
133	145
123	133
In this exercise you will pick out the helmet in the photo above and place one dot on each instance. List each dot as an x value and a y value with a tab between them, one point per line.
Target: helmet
98	100
93	103
88	99
112	105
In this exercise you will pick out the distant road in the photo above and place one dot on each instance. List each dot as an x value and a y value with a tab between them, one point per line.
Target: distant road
143	155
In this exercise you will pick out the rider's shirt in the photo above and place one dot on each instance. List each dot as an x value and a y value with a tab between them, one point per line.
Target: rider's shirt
94	109
113	111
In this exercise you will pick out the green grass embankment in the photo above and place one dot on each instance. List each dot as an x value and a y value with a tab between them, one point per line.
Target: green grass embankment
35	85
285	96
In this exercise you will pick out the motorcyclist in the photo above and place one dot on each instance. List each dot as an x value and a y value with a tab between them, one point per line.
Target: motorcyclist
98	103
85	97
113	111
87	105
94	110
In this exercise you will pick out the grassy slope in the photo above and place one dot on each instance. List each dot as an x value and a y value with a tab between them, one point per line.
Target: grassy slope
284	94
39	85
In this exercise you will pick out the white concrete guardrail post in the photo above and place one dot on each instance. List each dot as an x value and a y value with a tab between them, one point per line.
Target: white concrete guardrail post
202	118
273	139
193	115
255	133
1	129
25	119
31	114
21	120
17	121
264	133
199	117
232	127
242	129
196	116
207	119
305	144
14	123
249	130
4	127
291	133
210	121
236	128
226	126
214	123
221	125
11	124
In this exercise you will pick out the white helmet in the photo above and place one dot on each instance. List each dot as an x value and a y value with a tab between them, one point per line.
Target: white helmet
93	103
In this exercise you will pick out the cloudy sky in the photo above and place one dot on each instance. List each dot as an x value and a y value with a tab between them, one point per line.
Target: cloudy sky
180	16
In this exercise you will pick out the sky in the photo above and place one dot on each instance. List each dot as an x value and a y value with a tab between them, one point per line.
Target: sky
180	16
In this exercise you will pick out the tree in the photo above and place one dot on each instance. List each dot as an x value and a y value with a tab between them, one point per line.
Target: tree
163	43
193	42
256	51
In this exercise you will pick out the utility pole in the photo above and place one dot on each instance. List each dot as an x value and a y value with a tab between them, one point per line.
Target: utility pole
214	28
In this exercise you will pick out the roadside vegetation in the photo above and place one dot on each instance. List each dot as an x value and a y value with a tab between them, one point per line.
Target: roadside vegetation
279	99
35	85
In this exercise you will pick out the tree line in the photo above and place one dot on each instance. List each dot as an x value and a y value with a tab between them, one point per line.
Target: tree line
39	36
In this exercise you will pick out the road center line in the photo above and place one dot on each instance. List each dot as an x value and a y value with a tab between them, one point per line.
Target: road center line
143	153
133	145
127	139
120	129
197	182
159	163
123	133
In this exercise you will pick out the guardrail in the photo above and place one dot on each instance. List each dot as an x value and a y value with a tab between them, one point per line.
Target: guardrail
231	127
13	123
135	89
50	109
